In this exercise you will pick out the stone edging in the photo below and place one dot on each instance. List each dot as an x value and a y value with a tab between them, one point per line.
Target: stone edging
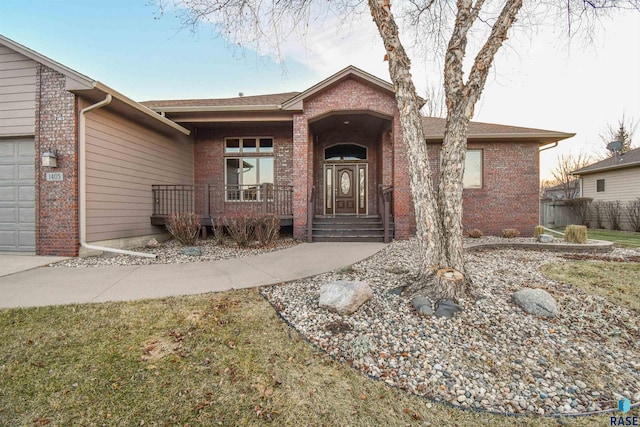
595	246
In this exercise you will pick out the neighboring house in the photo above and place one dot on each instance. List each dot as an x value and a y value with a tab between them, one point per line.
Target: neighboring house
330	160
615	178
568	190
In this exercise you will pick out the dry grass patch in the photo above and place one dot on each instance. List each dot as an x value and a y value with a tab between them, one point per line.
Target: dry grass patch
619	282
219	359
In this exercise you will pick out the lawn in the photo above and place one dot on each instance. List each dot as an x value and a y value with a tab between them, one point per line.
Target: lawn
623	239
216	359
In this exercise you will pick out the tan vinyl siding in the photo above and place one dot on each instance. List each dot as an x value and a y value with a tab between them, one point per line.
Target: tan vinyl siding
17	93
621	184
123	160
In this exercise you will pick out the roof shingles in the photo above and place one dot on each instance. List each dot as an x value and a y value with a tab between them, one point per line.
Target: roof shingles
271	99
630	158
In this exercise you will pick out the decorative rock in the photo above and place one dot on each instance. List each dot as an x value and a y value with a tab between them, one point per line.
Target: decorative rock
545	238
344	297
536	301
580	384
423	305
447	309
152	244
461	398
191	251
397	291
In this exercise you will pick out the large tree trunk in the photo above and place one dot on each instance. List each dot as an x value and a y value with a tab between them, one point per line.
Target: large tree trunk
429	226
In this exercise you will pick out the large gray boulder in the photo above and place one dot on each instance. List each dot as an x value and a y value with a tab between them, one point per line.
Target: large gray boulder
344	297
536	301
423	305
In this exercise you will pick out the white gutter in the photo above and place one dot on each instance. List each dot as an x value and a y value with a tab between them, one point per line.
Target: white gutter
83	183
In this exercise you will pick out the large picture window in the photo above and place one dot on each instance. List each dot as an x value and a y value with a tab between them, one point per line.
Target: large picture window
472	177
249	168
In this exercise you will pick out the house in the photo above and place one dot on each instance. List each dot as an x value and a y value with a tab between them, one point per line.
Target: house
611	179
564	190
84	165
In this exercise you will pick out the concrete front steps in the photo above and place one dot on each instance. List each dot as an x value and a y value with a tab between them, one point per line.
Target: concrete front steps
349	229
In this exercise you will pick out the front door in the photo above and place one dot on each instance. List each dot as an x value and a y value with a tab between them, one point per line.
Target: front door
345	189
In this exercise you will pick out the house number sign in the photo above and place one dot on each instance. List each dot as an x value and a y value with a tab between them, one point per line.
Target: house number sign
54	176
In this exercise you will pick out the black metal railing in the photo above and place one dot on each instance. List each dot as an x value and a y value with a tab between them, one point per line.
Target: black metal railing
215	200
385	197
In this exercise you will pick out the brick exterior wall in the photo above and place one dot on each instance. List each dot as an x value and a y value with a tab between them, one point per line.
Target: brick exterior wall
209	154
509	194
56	202
348	94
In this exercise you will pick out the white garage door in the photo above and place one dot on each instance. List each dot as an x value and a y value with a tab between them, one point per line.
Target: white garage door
17	195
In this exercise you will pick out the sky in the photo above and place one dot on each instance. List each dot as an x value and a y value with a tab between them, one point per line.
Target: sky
540	79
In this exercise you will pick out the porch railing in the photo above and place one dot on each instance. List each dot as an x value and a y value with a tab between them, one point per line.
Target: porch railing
384	209
215	200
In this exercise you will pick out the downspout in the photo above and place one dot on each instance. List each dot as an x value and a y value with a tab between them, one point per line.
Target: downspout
83	184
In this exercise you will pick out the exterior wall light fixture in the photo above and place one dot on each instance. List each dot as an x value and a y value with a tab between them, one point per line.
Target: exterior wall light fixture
50	158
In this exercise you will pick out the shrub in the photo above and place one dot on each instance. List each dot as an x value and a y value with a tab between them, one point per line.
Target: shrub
184	227
475	233
597	210
218	231
241	228
633	213
580	208
510	233
575	234
613	211
267	228
537	231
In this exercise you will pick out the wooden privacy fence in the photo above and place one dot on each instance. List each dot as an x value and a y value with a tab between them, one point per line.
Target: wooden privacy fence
556	213
214	200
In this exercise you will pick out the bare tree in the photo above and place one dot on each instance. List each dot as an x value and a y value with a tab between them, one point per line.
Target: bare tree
434	105
438	209
624	133
561	176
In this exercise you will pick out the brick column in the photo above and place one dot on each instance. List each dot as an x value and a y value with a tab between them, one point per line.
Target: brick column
56	201
301	178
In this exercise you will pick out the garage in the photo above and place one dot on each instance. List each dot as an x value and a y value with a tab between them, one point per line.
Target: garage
17	195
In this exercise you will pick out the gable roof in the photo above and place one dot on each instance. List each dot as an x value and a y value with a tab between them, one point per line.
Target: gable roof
629	159
434	130
295	103
94	90
252	103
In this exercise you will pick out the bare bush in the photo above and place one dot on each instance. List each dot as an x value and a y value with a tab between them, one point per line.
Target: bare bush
613	211
184	227
218	231
510	233
267	228
580	208
575	234
241	228
632	211
537	231
475	233
597	211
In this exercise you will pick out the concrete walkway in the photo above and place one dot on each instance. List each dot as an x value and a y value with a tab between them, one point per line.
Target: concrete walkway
66	285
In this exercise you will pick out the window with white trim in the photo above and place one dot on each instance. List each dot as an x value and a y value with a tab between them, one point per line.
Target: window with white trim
249	168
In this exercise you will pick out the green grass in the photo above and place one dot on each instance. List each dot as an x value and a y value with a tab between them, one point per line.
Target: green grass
623	239
619	282
219	359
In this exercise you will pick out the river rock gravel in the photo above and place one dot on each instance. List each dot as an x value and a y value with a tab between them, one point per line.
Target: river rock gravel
492	356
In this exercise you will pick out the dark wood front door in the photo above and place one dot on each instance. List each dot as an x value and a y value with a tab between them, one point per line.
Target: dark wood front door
345	189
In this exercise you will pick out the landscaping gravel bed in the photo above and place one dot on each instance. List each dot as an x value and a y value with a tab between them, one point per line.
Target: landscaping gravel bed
493	356
170	252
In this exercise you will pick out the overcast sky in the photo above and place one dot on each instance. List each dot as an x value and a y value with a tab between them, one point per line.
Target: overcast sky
539	79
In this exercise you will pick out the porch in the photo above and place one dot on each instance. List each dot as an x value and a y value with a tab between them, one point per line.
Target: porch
212	201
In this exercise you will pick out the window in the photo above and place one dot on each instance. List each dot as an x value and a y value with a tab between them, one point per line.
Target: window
473	170
345	152
248	165
600	185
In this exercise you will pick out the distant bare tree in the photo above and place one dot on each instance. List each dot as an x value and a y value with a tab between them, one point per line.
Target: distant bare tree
434	105
632	210
624	132
561	175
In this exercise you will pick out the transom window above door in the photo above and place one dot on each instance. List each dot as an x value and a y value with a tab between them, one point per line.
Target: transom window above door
345	152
